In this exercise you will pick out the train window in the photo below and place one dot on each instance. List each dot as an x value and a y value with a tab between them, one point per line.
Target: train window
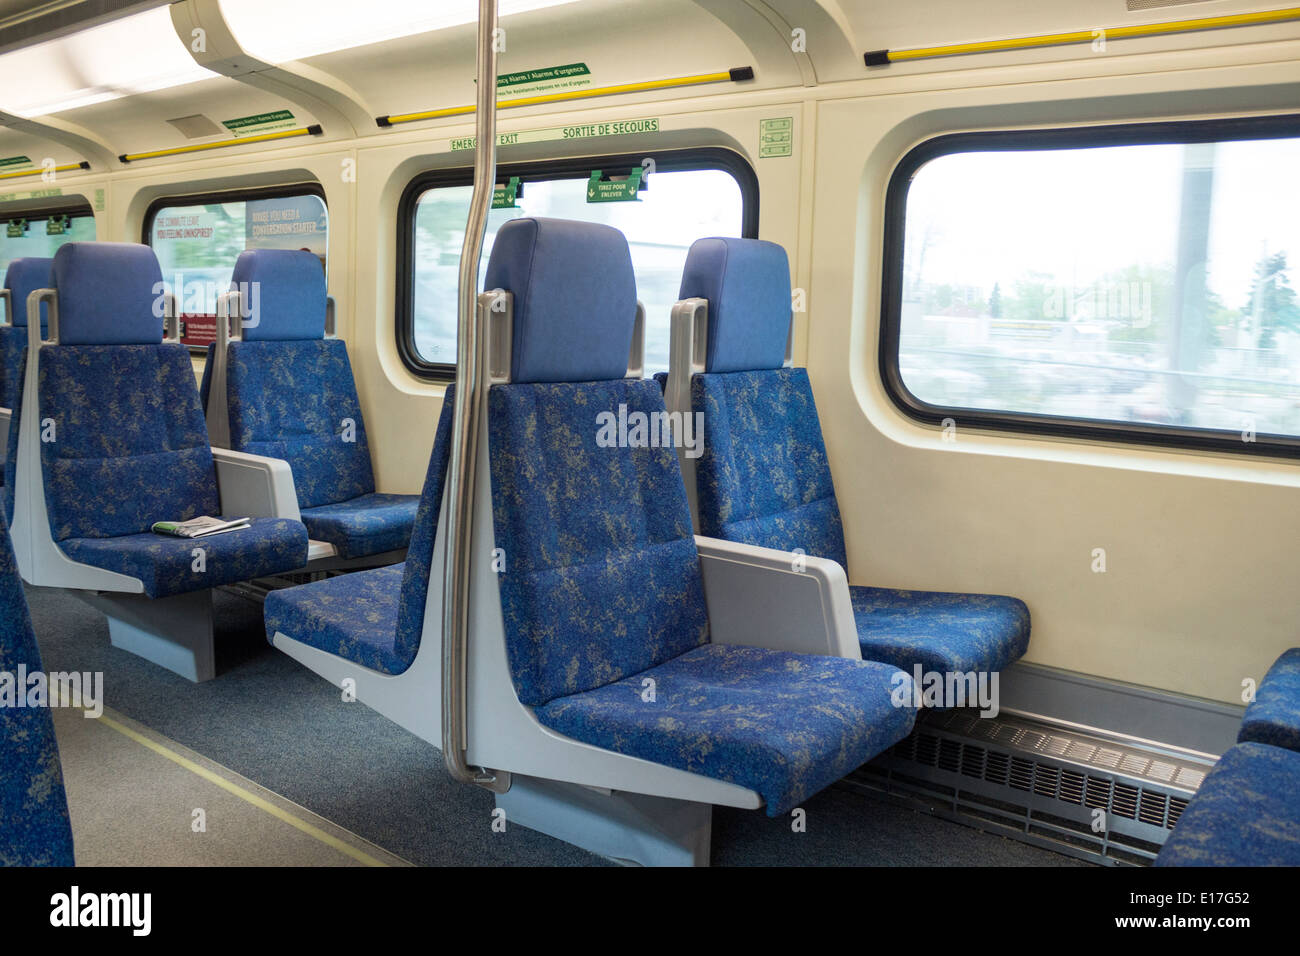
1131	283
198	238
688	196
41	233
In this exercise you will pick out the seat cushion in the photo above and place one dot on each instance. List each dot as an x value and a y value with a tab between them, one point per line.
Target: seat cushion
1274	715
940	631
298	401
1245	814
371	524
34	827
168	566
351	615
11	453
785	725
763	477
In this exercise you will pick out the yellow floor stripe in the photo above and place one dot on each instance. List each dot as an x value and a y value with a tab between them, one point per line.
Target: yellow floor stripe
199	770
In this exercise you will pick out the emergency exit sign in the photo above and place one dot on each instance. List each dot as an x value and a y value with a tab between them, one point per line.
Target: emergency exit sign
775	137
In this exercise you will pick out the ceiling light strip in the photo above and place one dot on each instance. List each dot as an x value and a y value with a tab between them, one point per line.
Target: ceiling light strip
735	75
313	130
885	57
65	168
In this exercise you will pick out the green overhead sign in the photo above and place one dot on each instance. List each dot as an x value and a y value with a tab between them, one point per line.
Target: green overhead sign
15	161
16	229
548	75
583	131
259	123
614	190
775	137
56	225
503	197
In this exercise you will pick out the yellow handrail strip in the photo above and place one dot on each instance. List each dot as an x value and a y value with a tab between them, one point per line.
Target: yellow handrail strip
66	167
734	75
313	130
884	57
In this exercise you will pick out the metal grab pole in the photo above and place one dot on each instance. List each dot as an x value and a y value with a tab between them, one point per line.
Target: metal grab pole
464	449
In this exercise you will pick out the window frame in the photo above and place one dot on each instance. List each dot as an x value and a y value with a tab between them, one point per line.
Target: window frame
669	160
78	207
237	194
1030	424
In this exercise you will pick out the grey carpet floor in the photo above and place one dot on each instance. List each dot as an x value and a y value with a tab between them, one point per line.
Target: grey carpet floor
272	721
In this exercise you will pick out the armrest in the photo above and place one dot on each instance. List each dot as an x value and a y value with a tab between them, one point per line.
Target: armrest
777	599
255	487
5	415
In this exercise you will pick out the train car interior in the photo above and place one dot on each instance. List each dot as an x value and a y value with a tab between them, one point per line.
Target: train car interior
742	433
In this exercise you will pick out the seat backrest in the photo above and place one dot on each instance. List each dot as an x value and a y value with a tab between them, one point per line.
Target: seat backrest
34	827
125	444
601	577
419	555
23	277
290	391
762	477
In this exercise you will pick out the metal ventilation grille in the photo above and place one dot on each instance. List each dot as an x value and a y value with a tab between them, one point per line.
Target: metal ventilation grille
1039	783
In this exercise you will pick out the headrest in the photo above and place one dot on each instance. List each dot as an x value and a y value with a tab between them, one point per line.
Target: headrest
23	278
110	293
286	290
747	283
575	299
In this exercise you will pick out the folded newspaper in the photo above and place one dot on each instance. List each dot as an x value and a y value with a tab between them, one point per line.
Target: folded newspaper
199	527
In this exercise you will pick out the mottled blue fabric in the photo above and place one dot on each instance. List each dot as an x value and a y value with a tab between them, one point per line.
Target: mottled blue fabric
747	285
575	298
23	277
351	615
1245	814
11	453
763	477
785	725
941	631
373	618
13	355
109	294
286	294
295	400
602	579
661	379
130	444
34	827
167	566
1273	717
371	524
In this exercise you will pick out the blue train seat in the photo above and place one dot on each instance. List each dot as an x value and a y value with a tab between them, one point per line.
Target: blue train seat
115	442
762	475
1273	717
23	277
34	827
1246	812
380	627
599	661
283	388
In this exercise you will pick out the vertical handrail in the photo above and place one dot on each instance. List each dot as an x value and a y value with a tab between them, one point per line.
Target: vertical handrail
464	448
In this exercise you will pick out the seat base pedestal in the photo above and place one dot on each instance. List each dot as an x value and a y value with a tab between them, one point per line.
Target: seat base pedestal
172	632
629	827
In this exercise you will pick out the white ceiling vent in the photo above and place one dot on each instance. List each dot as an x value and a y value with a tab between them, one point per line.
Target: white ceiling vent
196	126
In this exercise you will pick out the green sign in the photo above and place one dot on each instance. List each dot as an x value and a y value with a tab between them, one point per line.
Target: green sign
775	137
259	123
99	200
32	194
614	190
585	131
503	197
552	75
15	161
16	229
56	225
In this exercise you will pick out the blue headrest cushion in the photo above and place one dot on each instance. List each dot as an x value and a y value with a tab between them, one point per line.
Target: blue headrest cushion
23	278
288	302
110	293
747	283
575	299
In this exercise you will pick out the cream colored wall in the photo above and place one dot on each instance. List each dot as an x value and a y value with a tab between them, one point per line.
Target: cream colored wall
1201	549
